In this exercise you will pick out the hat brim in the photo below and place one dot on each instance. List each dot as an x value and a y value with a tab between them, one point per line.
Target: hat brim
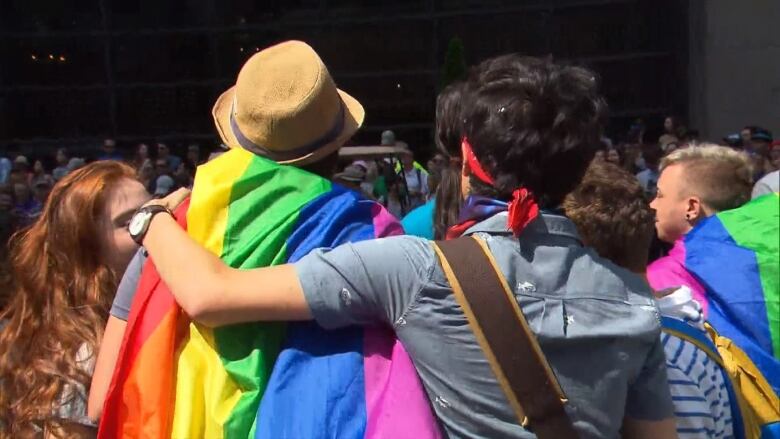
354	114
347	177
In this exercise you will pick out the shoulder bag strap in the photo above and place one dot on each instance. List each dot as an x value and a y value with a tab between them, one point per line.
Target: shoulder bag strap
503	334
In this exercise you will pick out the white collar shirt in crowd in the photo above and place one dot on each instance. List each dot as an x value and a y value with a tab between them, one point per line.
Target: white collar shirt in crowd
767	184
417	183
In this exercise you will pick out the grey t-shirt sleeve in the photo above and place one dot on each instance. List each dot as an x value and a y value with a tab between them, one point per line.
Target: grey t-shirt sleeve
371	282
768	184
649	398
127	286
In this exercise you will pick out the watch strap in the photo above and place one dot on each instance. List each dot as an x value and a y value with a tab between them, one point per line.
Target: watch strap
151	210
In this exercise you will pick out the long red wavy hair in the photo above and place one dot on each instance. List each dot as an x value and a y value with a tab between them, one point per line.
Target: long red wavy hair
60	303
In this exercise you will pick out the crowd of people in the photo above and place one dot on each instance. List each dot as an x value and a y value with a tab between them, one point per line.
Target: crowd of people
25	182
579	227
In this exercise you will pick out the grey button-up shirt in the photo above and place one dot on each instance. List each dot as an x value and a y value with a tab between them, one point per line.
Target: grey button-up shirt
597	324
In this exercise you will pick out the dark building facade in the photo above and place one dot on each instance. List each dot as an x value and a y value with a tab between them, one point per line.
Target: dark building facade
75	71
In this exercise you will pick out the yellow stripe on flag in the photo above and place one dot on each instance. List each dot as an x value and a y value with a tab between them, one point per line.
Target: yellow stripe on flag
208	213
205	394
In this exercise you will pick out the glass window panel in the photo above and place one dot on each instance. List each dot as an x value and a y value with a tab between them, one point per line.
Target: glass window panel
163	57
392	100
156	111
485	36
156	14
234	48
54	61
374	8
56	113
639	83
392	46
46	16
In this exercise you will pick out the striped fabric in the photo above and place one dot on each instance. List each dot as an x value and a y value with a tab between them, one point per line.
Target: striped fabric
698	385
699	393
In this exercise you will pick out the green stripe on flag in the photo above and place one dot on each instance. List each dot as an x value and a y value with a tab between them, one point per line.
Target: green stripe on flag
264	206
756	226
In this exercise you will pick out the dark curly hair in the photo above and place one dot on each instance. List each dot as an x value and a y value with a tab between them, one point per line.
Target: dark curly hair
612	215
532	123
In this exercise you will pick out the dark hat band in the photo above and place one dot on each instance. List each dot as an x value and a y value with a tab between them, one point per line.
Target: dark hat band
282	156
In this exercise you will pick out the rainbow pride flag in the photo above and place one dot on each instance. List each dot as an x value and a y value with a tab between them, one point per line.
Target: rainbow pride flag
175	378
731	261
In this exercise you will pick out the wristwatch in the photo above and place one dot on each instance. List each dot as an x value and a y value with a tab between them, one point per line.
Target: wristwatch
139	223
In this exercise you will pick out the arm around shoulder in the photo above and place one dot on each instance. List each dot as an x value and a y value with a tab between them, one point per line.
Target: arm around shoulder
215	294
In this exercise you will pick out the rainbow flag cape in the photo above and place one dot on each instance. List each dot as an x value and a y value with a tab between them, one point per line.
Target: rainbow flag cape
175	378
731	261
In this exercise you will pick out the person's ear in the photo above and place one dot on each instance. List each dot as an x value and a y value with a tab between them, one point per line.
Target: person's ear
694	210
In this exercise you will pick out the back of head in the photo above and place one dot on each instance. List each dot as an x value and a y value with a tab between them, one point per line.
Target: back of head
720	176
388	138
63	291
652	154
612	215
533	123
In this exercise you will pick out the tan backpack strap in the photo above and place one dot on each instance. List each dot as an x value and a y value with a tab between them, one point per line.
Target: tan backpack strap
505	337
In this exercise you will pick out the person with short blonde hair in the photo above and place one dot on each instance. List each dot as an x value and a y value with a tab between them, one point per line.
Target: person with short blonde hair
695	183
722	177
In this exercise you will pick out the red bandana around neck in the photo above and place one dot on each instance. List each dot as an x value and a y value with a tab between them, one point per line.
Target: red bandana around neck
522	209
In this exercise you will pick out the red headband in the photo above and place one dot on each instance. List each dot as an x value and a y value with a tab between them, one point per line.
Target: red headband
474	165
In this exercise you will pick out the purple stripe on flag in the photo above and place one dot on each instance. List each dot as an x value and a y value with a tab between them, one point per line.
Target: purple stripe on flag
391	379
670	272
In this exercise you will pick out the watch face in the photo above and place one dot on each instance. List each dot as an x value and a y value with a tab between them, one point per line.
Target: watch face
136	225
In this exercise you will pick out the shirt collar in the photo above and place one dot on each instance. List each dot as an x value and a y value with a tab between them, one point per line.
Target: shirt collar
546	224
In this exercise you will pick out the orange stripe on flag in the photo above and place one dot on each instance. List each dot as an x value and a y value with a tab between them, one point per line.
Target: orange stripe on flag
153	317
148	393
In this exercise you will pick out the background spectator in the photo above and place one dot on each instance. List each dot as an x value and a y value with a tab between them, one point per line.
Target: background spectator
671	132
184	175
75	163
164	185
193	155
109	151
164	153
141	157
61	170
39	175
27	208
415	179
613	156
351	177
648	178
5	169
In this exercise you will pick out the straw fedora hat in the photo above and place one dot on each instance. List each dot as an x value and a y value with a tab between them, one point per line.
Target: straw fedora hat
286	107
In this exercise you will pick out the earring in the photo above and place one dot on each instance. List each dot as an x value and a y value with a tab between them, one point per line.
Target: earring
687	216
